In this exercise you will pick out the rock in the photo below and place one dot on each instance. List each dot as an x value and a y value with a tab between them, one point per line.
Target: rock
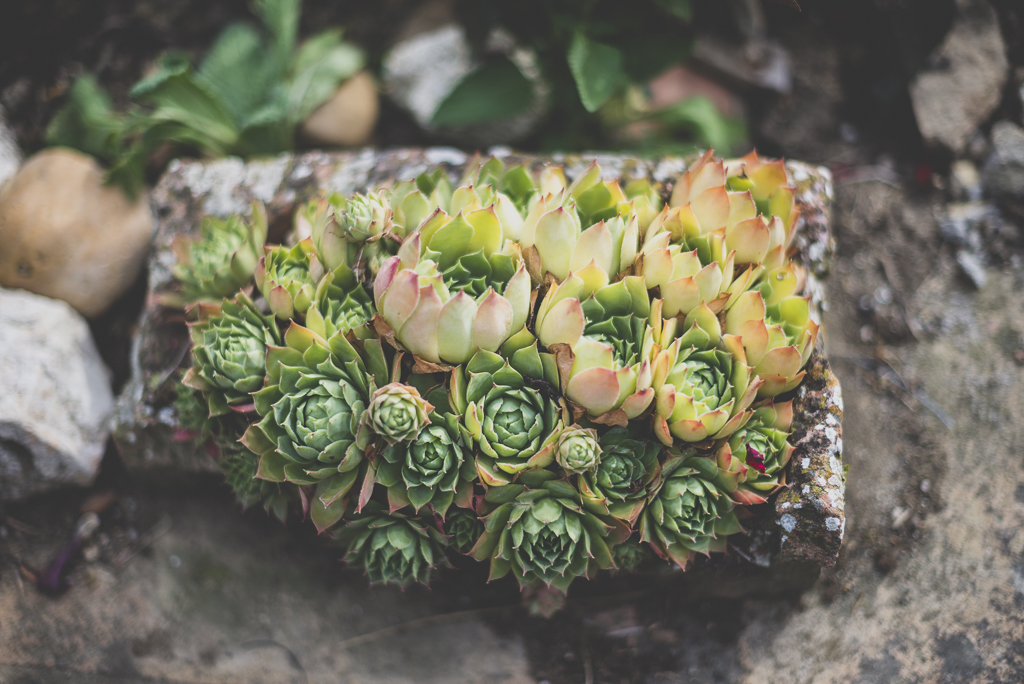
965	181
951	100
348	118
762	64
214	597
56	396
10	154
1003	173
68	236
421	71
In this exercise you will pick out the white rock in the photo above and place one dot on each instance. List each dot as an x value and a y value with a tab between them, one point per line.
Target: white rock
348	118
55	400
66	235
10	153
421	71
951	101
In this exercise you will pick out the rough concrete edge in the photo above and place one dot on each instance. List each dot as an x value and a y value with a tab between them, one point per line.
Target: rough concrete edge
811	511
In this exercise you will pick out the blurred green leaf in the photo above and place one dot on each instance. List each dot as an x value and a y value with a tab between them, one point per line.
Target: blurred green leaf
181	96
322	63
597	69
240	68
281	18
699	116
649	56
267	130
87	121
495	91
677	8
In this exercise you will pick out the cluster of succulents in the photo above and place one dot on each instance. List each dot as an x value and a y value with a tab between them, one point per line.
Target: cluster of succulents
552	377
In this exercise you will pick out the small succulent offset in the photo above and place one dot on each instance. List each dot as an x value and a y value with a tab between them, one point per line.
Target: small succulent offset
229	349
556	378
221	261
393	547
542	535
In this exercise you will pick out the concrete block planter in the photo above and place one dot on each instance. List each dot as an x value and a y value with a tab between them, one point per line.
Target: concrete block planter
787	541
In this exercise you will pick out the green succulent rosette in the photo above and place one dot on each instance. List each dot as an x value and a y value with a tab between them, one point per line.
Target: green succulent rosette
543	534
506	411
239	468
687	513
454	287
463	528
288	277
433	468
704	386
753	460
397	412
773	330
341	305
392	548
608	332
629	555
311	432
220	262
577	450
618	487
229	350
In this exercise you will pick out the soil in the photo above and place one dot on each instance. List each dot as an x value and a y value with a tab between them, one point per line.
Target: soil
930	582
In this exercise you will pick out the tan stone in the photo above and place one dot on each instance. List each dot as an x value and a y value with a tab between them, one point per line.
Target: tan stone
348	118
64	234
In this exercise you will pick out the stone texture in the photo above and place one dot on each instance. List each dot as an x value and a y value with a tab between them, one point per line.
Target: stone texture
811	511
68	236
1003	174
952	99
10	153
212	599
422	70
56	397
145	421
349	117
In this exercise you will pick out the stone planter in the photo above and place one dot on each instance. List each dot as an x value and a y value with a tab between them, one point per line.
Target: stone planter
787	542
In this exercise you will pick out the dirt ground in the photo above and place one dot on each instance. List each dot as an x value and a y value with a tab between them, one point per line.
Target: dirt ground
181	586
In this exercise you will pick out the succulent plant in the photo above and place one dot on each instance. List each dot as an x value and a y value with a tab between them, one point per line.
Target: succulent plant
311	432
462	294
629	555
397	412
463	528
229	349
542	535
357	232
752	461
288	278
618	487
703	391
610	338
433	467
221	261
554	240
578	450
721	217
392	548
239	468
341	304
773	330
687	513
514	425
555	377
